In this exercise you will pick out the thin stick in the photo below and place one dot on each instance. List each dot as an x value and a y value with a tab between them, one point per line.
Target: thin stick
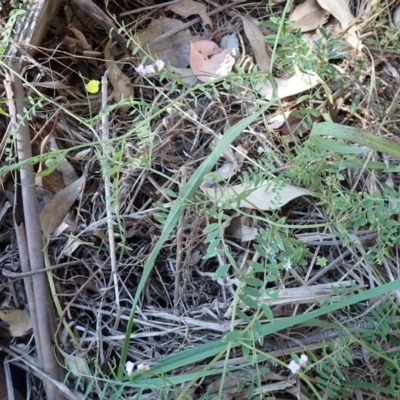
44	309
107	188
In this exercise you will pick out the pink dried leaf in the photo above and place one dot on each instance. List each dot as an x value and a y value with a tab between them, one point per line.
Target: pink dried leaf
205	68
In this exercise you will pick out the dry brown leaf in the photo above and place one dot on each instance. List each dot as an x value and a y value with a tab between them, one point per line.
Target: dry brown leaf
186	8
240	228
257	43
18	321
62	176
207	69
267	196
298	83
81	155
341	11
175	50
55	212
122	87
80	37
308	16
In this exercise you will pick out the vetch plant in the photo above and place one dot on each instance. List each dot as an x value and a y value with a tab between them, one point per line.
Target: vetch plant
296	367
149	69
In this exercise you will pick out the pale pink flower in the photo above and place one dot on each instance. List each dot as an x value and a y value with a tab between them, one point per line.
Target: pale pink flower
160	64
303	360
149	69
129	367
142	367
140	69
294	367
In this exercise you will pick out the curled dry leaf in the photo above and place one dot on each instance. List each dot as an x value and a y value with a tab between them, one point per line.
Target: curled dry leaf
341	11
267	196
186	8
122	88
80	37
206	69
55	212
257	43
240	228
18	321
174	50
298	83
62	176
308	16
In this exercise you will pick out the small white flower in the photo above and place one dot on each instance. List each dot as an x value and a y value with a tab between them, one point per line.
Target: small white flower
149	69
160	64
294	367
303	360
288	265
142	367
140	69
129	367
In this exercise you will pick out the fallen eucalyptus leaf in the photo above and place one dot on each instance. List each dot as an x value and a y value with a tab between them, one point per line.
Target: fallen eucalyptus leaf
257	43
55	212
186	8
268	195
240	229
18	321
298	83
206	69
308	16
341	11
175	50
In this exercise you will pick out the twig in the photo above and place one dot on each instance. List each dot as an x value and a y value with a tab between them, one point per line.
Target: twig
41	301
107	188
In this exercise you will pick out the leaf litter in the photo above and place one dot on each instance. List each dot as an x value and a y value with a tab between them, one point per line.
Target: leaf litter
170	127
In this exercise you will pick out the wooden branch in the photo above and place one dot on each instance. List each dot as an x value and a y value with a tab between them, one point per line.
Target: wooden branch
31	26
41	304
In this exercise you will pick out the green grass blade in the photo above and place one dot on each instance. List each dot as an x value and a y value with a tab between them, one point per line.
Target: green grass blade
202	352
177	210
353	135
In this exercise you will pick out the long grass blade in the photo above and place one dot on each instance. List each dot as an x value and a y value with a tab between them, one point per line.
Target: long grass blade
177	210
199	353
354	135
